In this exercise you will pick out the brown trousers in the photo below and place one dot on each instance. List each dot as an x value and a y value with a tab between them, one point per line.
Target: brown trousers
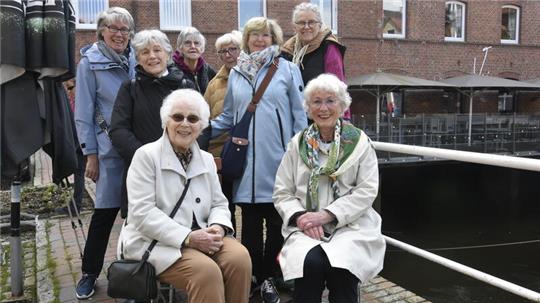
224	277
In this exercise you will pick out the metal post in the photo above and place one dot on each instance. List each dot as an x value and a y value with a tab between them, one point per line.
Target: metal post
470	116
378	113
16	263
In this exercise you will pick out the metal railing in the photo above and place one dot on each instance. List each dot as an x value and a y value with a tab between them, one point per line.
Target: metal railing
513	134
472	157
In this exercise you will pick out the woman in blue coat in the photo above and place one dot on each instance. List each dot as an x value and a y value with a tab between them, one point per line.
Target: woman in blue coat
279	115
103	67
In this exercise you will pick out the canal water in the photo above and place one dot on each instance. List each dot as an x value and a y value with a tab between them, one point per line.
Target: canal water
484	217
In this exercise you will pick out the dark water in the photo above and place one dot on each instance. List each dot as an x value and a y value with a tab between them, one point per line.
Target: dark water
449	207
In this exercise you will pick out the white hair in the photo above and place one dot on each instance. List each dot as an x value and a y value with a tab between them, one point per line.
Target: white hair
142	40
306	6
234	37
185	95
327	83
190	31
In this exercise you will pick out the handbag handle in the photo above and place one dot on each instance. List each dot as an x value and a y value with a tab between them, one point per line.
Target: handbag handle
264	84
175	209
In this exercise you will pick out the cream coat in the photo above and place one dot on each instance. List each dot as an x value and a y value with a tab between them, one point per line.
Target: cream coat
357	243
155	182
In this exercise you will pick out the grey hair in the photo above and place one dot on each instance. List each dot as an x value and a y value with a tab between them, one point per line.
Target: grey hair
234	37
306	6
142	40
187	32
191	96
111	15
327	83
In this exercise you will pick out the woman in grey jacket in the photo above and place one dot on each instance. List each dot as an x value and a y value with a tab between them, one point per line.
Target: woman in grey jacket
279	115
103	67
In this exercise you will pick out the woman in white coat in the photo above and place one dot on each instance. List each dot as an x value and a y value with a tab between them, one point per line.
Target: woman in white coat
324	190
195	250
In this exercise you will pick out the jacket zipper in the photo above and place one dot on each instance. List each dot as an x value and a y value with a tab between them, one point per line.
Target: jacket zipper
280	130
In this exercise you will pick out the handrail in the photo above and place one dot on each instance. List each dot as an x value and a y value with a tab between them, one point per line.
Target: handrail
458	155
469	271
472	157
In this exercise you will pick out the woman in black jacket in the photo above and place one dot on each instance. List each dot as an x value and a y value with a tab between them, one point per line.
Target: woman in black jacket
135	119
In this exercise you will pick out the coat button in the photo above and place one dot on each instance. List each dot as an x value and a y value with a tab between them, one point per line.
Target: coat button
198	200
237	149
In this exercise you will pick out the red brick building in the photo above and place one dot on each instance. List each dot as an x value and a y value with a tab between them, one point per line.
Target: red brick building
431	39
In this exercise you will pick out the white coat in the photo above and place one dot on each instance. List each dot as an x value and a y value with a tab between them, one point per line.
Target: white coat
155	181
357	243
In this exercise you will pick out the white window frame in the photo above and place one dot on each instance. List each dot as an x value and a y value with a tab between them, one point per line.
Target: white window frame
86	25
164	26
240	26
403	22
333	18
463	17
512	41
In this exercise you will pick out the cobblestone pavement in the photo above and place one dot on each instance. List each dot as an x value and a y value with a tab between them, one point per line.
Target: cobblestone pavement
65	251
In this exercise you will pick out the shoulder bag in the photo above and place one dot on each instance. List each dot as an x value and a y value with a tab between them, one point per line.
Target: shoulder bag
234	153
136	279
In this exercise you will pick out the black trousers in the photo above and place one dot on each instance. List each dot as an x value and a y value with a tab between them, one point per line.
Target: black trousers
98	239
227	189
78	185
263	253
318	273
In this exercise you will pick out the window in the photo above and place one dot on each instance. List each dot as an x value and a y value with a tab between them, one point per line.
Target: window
510	24
248	9
394	15
455	21
328	10
505	103
174	14
86	12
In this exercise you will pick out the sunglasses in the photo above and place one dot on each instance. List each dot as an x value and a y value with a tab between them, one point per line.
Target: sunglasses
190	118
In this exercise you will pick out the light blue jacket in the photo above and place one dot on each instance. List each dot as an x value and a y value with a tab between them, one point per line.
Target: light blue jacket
98	81
278	117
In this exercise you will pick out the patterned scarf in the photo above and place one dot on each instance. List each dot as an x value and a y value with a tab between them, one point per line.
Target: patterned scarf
184	158
121	59
346	137
250	64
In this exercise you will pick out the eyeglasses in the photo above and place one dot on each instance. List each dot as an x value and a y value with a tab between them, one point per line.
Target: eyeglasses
190	118
330	103
230	50
310	23
115	30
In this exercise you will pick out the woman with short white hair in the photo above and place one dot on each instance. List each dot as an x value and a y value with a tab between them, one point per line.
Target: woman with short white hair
195	250
135	118
190	46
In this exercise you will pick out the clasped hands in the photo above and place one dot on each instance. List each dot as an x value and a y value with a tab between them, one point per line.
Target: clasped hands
208	240
311	223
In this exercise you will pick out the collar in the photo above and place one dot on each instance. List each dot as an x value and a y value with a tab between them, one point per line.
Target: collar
169	160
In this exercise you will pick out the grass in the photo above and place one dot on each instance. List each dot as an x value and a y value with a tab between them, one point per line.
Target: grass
51	265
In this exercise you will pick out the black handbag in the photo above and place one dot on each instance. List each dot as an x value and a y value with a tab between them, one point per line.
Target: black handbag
136	279
234	153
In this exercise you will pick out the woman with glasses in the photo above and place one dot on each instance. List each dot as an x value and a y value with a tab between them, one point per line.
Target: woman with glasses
313	47
228	49
195	250
278	116
135	118
103	67
325	188
190	46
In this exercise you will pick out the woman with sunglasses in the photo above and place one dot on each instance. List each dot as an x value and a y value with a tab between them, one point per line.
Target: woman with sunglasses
195	250
135	118
325	188
228	49
314	48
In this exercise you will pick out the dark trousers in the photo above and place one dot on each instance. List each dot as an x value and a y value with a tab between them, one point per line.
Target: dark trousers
98	239
78	185
263	253
318	273
227	189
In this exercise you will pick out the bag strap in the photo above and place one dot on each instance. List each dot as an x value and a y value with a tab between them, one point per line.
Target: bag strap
264	84
176	207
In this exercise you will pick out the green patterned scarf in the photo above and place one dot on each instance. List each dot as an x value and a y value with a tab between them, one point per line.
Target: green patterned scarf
346	136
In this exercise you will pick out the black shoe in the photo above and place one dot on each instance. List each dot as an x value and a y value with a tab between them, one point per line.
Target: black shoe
269	293
255	287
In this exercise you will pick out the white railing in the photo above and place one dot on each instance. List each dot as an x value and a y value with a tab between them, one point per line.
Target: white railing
487	159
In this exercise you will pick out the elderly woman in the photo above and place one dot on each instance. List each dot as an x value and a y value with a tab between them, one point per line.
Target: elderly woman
228	49
325	187
190	46
313	47
135	118
278	116
194	250
103	67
